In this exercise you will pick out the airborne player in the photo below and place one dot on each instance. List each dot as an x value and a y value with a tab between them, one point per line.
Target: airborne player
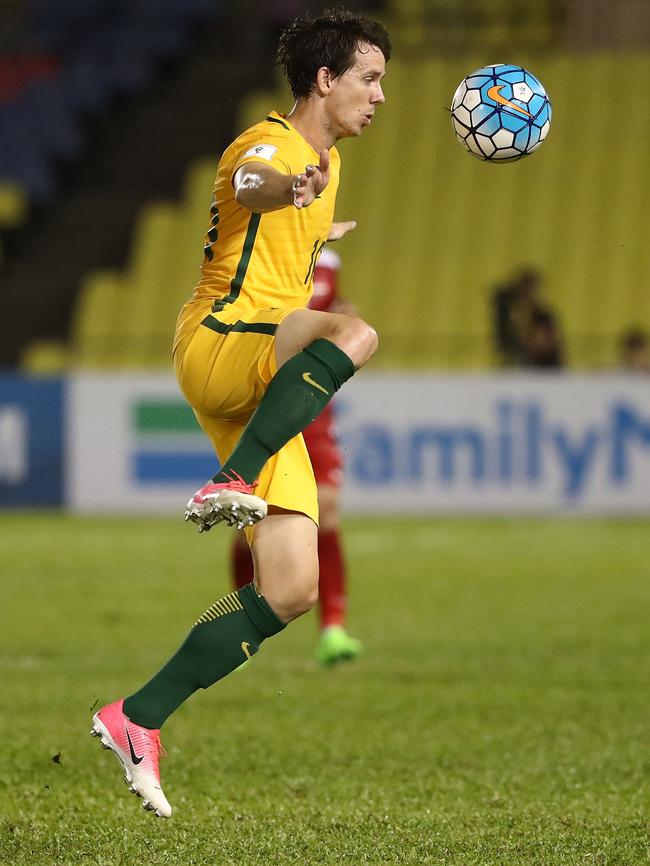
257	367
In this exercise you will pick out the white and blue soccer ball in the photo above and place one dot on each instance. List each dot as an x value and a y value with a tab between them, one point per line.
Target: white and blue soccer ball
500	113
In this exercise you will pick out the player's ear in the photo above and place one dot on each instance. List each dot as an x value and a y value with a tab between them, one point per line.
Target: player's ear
324	79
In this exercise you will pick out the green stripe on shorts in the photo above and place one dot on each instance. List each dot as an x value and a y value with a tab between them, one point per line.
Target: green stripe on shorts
240	327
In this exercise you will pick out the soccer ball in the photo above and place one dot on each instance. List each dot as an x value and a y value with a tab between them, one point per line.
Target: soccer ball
500	113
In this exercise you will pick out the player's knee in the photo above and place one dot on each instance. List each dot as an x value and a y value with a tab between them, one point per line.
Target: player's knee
306	599
357	339
299	602
367	337
290	596
305	593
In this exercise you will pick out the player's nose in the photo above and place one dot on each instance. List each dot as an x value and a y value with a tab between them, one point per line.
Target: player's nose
378	97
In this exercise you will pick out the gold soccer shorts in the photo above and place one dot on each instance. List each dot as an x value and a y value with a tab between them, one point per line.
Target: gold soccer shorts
223	371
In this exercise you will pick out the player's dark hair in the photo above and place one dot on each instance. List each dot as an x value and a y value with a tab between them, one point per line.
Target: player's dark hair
330	40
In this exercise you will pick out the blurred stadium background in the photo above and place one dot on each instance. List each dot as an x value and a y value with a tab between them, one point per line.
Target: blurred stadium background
112	119
113	116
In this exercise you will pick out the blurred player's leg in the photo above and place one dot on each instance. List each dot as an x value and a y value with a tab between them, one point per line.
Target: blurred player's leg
334	644
332	579
241	561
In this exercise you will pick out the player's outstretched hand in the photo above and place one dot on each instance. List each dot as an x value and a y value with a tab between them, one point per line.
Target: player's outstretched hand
314	180
339	230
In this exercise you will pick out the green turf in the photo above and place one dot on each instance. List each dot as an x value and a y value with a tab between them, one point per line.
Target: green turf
498	716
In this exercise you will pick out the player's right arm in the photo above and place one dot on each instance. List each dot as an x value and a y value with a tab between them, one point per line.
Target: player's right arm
262	188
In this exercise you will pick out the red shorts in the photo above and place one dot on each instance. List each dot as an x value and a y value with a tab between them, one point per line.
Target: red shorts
323	449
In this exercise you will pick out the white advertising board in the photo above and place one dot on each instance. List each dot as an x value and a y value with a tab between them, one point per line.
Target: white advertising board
497	443
133	445
412	444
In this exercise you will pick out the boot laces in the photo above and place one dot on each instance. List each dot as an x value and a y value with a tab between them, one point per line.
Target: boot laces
154	738
237	482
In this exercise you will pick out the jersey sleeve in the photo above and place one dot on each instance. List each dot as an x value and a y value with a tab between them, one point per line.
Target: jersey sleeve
266	147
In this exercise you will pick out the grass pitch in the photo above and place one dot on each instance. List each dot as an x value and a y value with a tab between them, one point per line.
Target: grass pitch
498	716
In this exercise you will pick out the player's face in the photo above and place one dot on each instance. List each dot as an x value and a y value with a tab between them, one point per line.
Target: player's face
356	94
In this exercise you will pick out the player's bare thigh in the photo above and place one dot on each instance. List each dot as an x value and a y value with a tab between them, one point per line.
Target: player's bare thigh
351	334
285	556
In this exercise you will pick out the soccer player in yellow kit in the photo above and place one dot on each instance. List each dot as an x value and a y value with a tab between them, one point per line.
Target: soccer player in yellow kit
257	367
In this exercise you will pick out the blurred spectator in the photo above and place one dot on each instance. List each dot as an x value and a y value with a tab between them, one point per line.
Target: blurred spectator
543	343
526	331
634	351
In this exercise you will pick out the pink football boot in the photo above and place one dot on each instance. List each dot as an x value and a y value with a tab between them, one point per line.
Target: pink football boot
138	749
232	501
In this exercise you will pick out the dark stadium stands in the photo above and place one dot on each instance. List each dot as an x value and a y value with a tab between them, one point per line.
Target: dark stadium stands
102	106
422	271
573	210
90	51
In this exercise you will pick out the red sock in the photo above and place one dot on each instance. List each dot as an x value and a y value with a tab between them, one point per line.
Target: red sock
332	579
241	562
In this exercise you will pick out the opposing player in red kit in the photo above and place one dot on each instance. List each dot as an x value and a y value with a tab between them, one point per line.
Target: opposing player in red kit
334	645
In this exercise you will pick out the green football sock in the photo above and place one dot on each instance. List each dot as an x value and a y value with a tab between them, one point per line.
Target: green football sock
299	391
223	638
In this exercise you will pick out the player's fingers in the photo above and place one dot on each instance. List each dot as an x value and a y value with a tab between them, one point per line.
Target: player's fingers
303	192
302	197
298	192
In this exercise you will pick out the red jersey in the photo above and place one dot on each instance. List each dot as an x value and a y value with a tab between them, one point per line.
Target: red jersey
326	278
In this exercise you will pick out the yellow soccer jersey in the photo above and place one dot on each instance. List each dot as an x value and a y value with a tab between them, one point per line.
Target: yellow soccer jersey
266	260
